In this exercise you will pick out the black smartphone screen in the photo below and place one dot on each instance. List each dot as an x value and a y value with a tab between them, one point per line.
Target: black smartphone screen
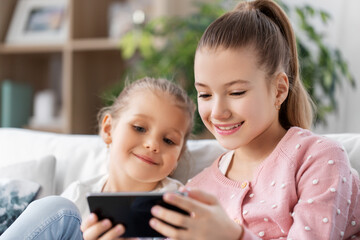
132	209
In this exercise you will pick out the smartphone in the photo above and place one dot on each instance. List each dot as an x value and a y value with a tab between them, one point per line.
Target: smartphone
132	209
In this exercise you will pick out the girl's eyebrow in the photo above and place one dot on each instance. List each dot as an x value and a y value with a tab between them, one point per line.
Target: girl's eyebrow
176	131
145	116
238	81
200	84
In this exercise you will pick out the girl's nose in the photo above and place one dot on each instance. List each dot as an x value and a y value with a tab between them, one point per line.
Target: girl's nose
152	145
220	110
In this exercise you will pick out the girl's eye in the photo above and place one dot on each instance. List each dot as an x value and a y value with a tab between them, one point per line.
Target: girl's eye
139	129
237	93
203	95
168	141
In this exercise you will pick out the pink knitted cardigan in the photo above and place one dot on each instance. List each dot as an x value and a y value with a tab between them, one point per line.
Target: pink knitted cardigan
305	189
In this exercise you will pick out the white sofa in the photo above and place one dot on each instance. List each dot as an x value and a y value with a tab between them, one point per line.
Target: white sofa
55	160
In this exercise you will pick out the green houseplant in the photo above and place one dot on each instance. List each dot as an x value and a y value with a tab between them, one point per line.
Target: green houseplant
165	47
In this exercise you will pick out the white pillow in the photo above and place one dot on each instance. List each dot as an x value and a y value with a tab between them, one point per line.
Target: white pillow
41	171
199	155
351	143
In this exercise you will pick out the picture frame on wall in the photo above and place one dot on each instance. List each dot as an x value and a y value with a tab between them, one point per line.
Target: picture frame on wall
38	22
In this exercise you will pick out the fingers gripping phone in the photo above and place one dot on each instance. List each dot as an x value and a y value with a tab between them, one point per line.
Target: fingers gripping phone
132	209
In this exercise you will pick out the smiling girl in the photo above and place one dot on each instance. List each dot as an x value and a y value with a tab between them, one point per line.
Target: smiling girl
279	180
146	130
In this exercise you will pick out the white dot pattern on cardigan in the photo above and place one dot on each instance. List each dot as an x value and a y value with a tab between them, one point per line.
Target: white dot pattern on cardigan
317	181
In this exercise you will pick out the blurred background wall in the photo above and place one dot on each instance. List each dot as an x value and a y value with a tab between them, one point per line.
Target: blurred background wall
342	32
88	61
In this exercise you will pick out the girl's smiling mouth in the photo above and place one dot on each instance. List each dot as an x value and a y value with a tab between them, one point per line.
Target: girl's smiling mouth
146	159
227	129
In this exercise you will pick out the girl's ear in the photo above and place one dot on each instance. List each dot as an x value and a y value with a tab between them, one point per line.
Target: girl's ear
282	88
106	126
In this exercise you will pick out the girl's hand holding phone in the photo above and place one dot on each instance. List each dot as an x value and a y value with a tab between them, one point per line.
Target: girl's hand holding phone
92	229
208	220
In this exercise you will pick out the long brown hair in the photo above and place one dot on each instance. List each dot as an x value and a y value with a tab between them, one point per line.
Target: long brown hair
263	26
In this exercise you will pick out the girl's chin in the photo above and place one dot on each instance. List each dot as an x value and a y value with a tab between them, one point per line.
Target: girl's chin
228	143
147	178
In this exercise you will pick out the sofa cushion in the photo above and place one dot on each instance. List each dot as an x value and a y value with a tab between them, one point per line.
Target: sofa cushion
199	154
351	143
15	196
41	171
78	157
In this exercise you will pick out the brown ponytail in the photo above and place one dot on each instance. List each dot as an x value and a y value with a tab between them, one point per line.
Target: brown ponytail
264	26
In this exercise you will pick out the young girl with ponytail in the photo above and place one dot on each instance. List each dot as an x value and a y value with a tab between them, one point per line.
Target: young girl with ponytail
279	180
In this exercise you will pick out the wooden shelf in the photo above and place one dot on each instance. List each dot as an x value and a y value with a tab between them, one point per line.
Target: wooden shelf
78	70
16	49
95	44
45	129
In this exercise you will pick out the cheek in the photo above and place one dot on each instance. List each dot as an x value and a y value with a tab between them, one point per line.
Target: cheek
177	153
250	108
172	157
261	108
204	109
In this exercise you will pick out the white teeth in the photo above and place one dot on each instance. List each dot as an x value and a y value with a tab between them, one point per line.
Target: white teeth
229	128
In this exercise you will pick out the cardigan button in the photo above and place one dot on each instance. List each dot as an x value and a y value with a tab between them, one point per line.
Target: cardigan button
237	220
243	185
